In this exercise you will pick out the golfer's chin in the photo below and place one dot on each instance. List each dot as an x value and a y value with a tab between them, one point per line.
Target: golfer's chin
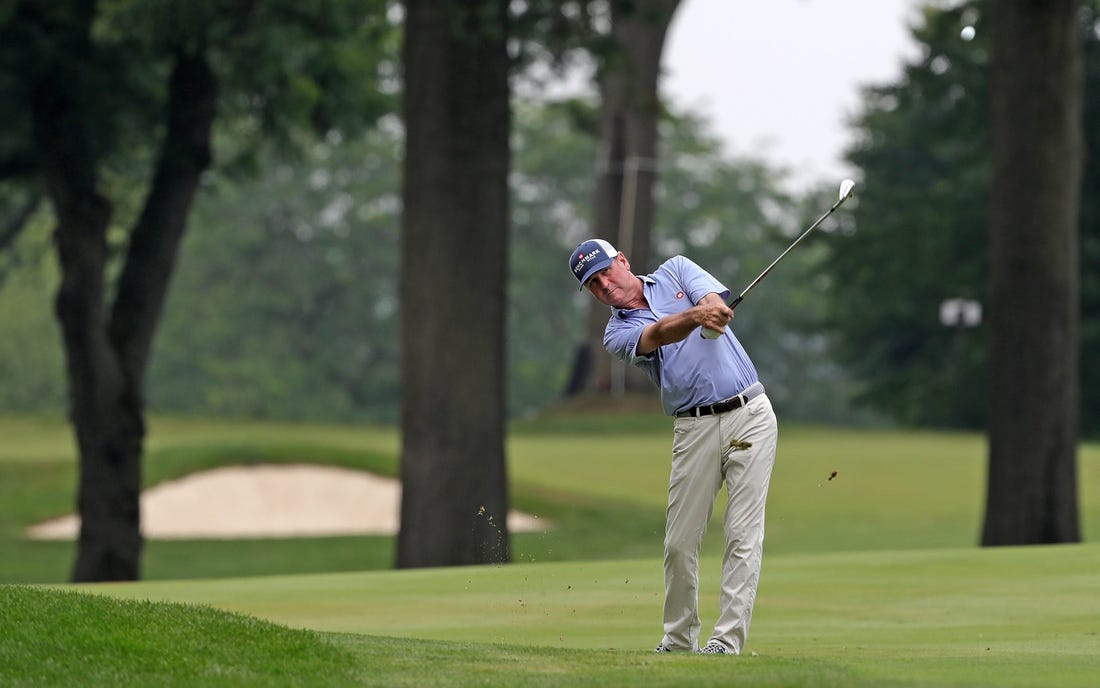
613	299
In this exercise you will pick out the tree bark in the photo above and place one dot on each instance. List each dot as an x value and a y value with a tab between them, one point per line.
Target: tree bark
106	354
1037	113
453	285
626	166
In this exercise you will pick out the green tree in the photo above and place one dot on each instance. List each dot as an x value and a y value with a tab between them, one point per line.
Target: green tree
285	302
922	225
31	365
984	133
113	113
554	145
920	232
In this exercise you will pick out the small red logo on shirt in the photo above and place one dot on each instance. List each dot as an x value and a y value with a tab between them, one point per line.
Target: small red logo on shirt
679	294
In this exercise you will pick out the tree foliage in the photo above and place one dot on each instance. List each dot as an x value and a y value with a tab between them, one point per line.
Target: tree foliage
922	224
31	364
285	303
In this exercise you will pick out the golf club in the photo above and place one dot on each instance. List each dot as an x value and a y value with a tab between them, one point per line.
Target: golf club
846	188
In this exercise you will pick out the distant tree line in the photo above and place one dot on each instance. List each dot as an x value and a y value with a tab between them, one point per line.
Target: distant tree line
285	301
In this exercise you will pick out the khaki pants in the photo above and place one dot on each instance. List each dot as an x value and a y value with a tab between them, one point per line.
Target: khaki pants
702	459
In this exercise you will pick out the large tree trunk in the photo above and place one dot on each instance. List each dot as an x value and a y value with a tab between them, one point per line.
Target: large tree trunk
1034	286
106	356
454	257
626	167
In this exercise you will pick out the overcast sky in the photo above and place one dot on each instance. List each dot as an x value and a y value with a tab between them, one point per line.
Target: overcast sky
778	78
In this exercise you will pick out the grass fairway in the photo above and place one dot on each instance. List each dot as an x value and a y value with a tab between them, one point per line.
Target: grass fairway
947	617
870	579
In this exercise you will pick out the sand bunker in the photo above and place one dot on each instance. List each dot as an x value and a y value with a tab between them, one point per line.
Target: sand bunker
269	501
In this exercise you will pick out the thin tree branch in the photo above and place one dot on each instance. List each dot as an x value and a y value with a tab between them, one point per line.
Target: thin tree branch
154	242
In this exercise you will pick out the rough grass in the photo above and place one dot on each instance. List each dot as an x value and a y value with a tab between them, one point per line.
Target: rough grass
64	638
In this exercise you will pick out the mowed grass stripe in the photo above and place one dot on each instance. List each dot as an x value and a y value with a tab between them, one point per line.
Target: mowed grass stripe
1005	616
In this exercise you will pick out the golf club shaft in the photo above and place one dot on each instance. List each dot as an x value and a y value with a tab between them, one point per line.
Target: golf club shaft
741	296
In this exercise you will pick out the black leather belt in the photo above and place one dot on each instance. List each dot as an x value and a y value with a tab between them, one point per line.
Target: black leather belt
750	393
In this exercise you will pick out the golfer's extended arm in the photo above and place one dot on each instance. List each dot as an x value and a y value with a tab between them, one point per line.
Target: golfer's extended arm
711	311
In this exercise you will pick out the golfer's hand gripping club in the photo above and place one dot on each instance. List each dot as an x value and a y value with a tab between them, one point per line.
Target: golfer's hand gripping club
846	191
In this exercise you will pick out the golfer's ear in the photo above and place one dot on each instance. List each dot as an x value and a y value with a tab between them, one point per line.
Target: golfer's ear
622	257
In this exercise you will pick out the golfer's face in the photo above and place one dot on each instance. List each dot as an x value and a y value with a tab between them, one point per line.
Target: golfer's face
614	285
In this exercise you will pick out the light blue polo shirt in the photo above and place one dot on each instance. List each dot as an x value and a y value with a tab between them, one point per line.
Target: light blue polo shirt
691	372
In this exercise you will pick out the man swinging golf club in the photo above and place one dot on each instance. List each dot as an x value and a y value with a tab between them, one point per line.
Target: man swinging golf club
725	429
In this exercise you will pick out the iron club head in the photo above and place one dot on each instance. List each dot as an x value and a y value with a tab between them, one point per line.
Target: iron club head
846	188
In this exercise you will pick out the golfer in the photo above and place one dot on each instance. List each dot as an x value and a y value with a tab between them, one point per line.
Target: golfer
725	429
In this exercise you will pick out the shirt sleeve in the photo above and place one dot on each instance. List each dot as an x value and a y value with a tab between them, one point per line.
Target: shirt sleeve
621	336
